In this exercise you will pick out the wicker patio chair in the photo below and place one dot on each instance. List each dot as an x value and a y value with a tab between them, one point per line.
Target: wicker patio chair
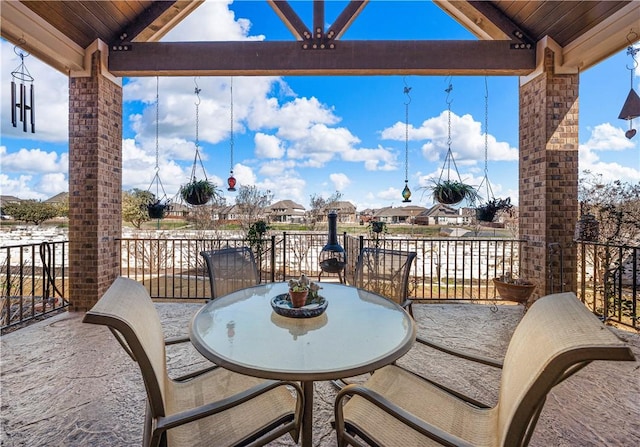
217	407
557	337
385	272
230	269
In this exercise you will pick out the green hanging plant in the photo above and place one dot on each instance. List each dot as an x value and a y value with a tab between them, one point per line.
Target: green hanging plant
486	212
198	192
451	192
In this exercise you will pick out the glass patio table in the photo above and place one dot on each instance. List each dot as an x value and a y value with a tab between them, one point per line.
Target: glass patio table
358	332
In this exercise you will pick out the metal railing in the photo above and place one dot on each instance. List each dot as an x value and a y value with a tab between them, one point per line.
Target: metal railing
34	278
33	281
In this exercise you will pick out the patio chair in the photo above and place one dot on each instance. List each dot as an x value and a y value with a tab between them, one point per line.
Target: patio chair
557	337
217	407
385	272
230	269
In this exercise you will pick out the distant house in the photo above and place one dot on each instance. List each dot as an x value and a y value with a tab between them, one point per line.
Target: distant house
398	215
286	211
346	211
440	214
6	200
58	199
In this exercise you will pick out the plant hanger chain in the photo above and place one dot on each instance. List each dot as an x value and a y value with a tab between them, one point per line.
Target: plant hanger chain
197	157
231	134
156	177
485	179
448	159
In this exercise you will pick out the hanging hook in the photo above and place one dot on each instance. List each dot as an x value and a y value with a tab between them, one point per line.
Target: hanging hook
197	90
407	89
631	50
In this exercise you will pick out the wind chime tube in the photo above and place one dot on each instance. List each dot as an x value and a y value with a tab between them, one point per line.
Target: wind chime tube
14	120
23	109
32	109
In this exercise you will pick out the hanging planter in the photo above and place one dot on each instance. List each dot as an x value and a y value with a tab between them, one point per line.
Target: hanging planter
451	192
158	210
197	192
487	211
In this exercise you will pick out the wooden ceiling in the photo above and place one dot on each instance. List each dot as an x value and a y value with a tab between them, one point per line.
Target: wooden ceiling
59	32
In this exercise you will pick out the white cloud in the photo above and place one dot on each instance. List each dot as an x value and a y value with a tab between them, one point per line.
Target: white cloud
34	161
340	181
268	146
607	138
276	167
467	139
379	159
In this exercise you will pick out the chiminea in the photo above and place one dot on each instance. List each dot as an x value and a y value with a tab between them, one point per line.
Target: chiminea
332	258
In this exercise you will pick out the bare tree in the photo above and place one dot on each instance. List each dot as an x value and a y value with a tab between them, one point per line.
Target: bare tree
252	202
319	207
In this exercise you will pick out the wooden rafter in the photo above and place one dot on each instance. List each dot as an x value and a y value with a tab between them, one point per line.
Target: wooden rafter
291	19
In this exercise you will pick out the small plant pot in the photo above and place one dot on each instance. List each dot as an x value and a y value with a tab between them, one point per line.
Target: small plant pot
520	293
298	299
377	226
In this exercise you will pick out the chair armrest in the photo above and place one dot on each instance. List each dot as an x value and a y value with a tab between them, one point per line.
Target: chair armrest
395	411
460	354
175	420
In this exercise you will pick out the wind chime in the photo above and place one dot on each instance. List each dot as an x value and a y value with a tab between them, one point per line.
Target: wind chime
631	107
231	181
160	205
26	106
406	192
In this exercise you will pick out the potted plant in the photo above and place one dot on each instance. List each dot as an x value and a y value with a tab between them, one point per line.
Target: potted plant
300	289
450	192
487	211
197	192
512	288
157	209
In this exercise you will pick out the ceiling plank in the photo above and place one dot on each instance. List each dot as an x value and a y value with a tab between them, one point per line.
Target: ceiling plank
250	58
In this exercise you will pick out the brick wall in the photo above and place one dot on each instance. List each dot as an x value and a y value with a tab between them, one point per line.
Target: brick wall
549	178
95	185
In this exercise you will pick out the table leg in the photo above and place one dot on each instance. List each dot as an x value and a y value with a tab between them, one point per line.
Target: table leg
307	414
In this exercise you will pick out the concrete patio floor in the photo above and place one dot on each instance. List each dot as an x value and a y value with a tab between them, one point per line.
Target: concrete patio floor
65	383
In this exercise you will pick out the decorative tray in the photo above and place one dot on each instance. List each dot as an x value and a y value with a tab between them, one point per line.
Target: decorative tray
314	306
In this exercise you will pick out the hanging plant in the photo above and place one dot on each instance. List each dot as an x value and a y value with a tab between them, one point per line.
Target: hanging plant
451	192
198	192
487	211
158	209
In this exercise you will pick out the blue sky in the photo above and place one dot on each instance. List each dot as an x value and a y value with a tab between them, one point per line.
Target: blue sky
299	136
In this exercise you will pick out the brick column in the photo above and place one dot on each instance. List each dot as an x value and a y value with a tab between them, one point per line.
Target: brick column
95	185
549	178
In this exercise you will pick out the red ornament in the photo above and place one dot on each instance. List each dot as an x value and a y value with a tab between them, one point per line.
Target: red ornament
231	181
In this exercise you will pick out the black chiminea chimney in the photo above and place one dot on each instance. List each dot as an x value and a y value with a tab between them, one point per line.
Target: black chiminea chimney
332	257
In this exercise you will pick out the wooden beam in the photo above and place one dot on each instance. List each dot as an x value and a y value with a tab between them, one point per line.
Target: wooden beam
346	17
291	19
318	19
251	58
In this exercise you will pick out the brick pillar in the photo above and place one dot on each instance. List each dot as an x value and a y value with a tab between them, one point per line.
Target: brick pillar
95	185
549	178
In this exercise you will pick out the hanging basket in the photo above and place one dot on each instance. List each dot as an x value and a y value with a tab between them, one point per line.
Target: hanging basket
451	192
158	210
487	211
197	192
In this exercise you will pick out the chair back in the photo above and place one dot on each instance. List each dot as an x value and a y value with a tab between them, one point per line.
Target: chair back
556	337
230	269
127	310
385	272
